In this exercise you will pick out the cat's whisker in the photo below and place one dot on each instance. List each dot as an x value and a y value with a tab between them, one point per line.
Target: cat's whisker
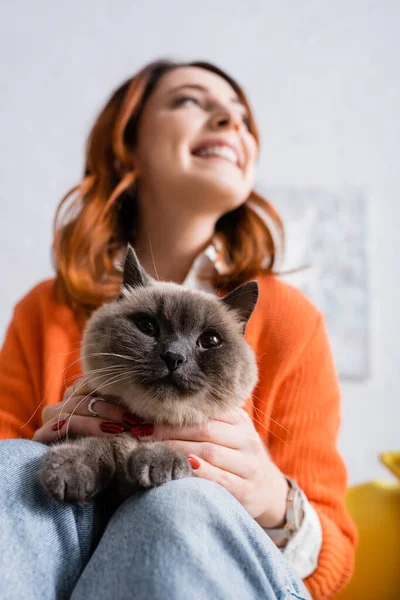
266	428
81	356
36	410
233	416
119	377
33	414
226	389
152	257
269	430
78	349
108	382
38	407
238	386
266	404
94	371
86	381
258	410
108	354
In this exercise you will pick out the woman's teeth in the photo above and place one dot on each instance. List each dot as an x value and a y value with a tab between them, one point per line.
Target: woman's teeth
222	151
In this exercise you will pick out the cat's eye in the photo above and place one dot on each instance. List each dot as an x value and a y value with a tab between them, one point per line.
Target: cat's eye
145	324
209	339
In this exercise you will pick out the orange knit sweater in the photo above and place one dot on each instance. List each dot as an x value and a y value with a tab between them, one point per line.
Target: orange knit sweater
296	405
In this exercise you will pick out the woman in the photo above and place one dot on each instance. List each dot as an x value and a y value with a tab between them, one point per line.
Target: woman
170	168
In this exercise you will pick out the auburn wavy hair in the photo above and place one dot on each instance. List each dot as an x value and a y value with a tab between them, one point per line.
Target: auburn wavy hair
96	219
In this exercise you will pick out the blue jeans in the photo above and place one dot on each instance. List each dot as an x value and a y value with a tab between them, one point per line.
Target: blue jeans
188	539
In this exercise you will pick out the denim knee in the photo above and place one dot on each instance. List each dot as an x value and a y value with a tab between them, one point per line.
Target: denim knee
181	501
182	493
19	460
193	487
19	450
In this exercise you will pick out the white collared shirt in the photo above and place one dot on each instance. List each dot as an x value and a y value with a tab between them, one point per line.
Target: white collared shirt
302	551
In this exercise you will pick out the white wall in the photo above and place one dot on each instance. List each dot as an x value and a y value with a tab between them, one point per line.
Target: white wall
324	81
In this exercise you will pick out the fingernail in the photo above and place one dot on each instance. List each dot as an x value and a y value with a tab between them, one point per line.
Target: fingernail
132	419
142	430
109	427
194	463
59	425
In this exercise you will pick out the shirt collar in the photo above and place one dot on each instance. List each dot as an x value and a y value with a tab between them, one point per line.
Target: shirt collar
206	258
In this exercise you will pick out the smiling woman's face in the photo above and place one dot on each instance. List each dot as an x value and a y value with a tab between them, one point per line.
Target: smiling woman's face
194	142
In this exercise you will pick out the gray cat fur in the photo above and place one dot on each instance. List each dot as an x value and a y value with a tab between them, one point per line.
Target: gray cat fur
207	382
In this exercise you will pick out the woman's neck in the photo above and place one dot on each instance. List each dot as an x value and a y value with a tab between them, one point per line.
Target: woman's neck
167	244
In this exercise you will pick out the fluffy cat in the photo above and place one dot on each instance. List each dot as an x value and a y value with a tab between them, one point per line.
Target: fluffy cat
171	356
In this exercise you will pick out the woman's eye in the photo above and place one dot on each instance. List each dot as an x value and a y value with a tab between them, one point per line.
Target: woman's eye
185	99
209	339
145	325
246	121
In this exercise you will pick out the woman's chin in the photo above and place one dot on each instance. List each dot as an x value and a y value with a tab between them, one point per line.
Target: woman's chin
232	190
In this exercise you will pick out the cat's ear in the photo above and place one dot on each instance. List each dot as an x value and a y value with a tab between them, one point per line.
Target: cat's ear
134	274
243	300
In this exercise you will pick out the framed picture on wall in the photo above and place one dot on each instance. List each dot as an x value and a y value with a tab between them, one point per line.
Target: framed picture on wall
326	233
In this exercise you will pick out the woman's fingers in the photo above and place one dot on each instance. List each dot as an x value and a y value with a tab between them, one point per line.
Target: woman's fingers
65	424
218	456
231	435
79	405
205	470
81	387
71	416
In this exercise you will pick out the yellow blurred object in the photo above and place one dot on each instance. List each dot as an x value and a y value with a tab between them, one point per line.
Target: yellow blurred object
375	508
392	461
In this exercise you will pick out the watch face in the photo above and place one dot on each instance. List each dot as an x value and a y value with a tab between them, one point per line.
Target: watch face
297	509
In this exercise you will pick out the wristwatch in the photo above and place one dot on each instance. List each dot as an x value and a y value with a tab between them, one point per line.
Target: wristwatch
293	517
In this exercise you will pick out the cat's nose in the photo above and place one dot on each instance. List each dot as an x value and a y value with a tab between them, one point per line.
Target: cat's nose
173	360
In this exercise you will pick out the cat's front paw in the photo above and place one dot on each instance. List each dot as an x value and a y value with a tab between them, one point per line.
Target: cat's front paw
155	463
67	476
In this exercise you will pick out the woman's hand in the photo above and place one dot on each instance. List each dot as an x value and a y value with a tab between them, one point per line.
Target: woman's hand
71	416
229	451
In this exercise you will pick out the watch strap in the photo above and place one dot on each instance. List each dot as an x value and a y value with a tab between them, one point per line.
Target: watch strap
294	505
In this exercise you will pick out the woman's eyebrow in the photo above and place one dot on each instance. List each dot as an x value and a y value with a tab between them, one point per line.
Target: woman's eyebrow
201	88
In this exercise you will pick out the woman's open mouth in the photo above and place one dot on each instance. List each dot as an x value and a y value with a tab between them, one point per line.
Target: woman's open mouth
218	150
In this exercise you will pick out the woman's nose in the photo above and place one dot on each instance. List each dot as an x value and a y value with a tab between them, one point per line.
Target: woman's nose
226	119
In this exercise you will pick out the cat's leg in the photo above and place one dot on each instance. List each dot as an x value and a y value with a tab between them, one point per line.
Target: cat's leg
155	463
78	470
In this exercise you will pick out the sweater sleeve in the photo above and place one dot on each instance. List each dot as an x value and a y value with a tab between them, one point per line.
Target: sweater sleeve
303	444
19	394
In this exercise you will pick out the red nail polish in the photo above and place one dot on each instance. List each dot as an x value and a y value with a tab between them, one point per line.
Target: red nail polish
132	419
109	427
142	430
194	463
59	425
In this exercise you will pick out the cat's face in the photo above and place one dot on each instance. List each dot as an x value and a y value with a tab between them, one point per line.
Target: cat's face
173	355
